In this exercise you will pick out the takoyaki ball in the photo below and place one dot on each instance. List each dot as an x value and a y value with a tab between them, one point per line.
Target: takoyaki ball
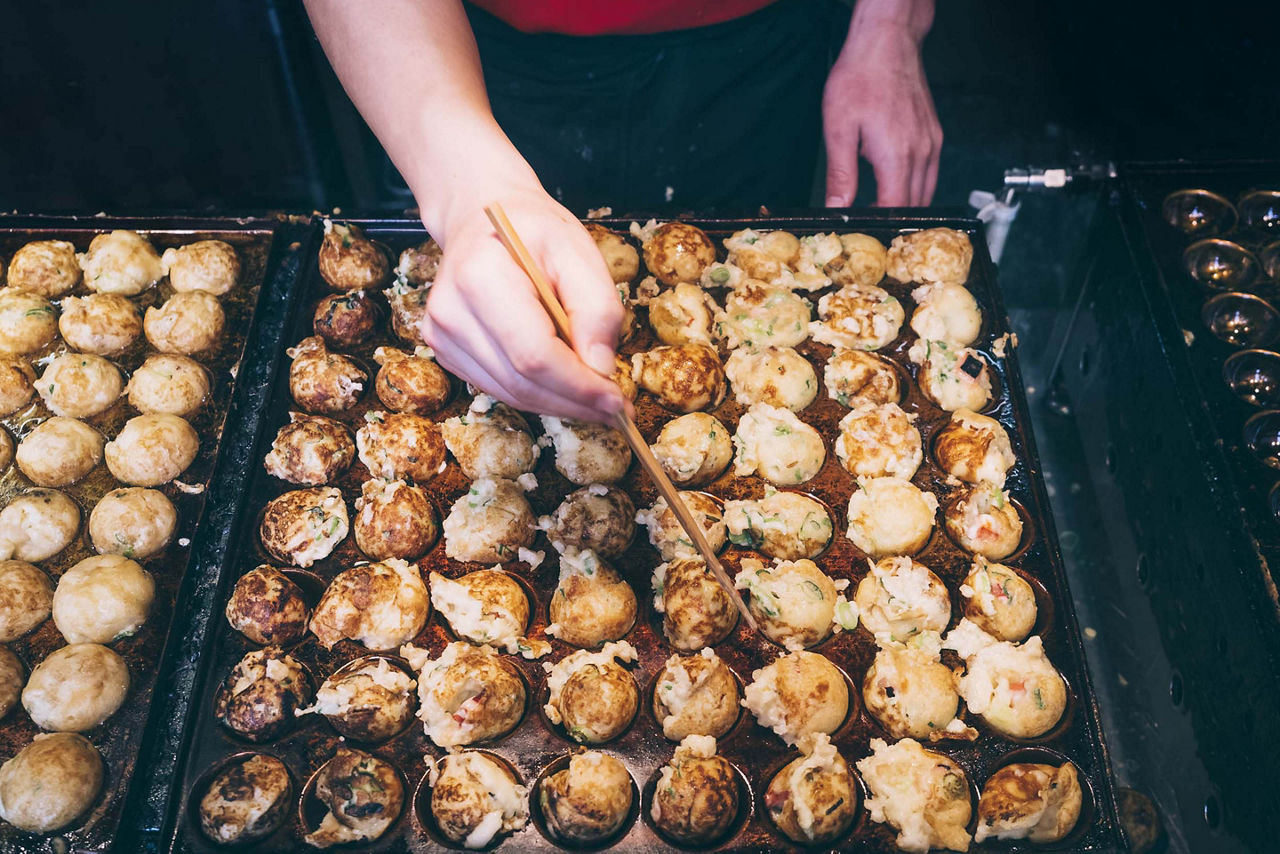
974	448
587	452
922	794
170	385
475	798
12	677
419	264
381	605
858	317
763	255
6	448
879	440
394	519
861	261
369	699
678	252
410	383
261	695
1014	687
622	377
620	257
246	801
591	694
485	606
946	313
26	599
303	526
490	524
152	449
102	599
784	525
930	257
50	783
321	381
466	694
597	518
310	450
778	376
17	384
37	524
900	599
984	521
187	323
490	440
211	266
953	378
999	601
758	315
47	268
121	262
695	695
799	694
363	795
395	445
773	443
854	376
59	451
696	611
592	603
587	801
890	516
79	385
693	449
103	324
1030	801
408	310
682	315
794	602
133	522
686	378
346	319
349	261
813	799
76	688
696	798
912	694
669	538
267	607
28	322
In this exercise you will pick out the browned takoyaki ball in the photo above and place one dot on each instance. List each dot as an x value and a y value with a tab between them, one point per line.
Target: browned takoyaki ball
363	794
267	607
59	451
211	266
304	526
410	382
620	257
260	695
187	323
121	262
394	519
28	322
592	603
685	378
589	800
349	261
408	309
400	445
103	324
599	518
345	319
17	384
697	612
247	800
310	450
696	799
45	267
323	382
152	449
678	252
369	699
419	264
168	384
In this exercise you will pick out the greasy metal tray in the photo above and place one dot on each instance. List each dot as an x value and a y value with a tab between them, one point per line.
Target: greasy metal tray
121	738
757	753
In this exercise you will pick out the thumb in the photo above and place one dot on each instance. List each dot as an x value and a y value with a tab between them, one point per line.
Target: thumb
590	298
842	169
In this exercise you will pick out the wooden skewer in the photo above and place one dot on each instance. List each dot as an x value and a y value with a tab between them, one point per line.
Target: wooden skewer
621	421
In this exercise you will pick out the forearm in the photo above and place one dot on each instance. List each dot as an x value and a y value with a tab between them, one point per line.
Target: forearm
914	17
412	69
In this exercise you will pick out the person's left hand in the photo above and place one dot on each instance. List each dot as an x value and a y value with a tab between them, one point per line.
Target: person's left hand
877	104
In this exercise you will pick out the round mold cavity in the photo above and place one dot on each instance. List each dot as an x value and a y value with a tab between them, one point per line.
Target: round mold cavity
840	841
1262	436
311	810
1220	264
425	818
1196	212
1269	258
1260	210
1242	320
1055	731
1025	539
745	809
544	698
311	585
1254	376
539	817
1088	802
1044	602
742	717
201	787
356	663
901	374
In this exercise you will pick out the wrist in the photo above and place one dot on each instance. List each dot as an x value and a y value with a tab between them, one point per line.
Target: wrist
909	19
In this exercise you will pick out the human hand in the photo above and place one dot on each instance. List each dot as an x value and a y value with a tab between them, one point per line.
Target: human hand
877	103
485	323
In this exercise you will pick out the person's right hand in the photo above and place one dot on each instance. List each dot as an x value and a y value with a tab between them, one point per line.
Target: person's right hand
485	323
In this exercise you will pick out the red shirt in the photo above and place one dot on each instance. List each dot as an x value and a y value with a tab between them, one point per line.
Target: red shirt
610	17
